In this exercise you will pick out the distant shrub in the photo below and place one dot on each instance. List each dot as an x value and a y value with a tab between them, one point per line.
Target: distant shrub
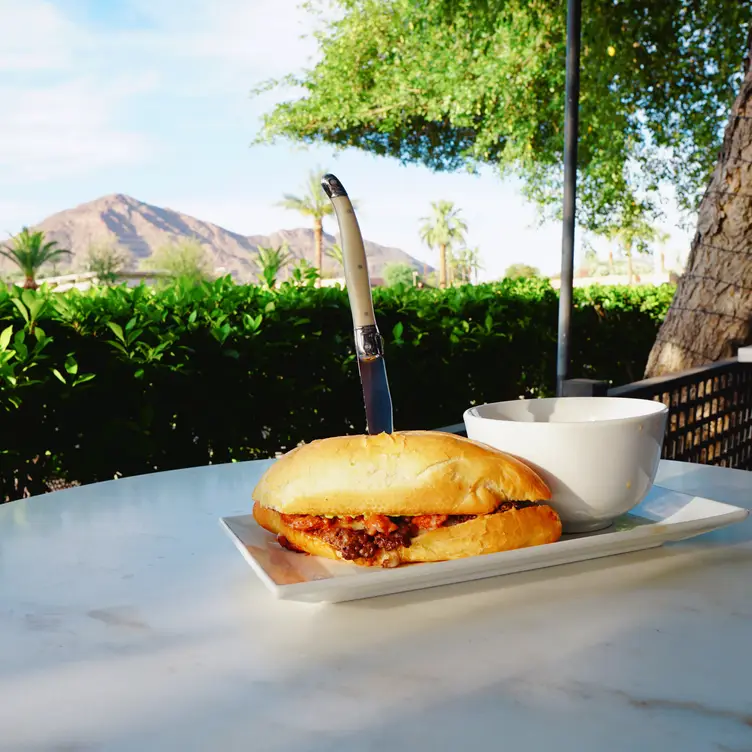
185	259
522	271
396	274
106	261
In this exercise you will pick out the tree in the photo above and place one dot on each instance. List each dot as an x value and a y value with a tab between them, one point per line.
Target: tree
29	252
335	253
106	261
443	230
462	83
313	203
271	261
465	265
634	235
456	83
304	274
591	260
185	258
522	271
397	273
711	313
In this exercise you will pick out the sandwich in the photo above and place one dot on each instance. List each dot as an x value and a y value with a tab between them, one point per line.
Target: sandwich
412	496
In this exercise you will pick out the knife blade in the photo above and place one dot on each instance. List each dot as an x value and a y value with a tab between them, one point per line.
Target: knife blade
369	344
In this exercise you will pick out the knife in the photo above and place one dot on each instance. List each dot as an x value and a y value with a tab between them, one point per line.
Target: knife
369	344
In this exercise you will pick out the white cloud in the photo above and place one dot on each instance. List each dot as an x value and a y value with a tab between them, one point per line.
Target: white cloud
59	115
34	36
261	37
67	129
68	85
224	46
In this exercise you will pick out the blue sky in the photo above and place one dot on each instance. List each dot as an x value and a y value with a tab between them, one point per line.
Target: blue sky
151	98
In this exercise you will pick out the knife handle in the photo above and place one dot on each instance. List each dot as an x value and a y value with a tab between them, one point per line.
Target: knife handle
353	252
368	342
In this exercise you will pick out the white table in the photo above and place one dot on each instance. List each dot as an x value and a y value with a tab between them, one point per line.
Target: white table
128	621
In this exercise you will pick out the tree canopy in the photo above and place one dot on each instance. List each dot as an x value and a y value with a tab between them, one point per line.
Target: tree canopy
186	258
106	261
520	270
457	84
397	273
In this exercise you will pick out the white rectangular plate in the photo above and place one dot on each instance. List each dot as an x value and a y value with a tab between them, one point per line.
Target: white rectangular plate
663	516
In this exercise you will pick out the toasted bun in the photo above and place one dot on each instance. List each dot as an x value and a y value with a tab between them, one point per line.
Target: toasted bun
486	534
406	473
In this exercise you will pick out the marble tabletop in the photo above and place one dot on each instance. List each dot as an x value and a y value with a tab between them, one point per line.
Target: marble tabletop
128	621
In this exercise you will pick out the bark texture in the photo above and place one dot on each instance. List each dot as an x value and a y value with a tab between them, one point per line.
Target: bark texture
711	314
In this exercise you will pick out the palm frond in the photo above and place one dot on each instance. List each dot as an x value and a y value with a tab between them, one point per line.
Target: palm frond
445	227
335	253
29	251
313	202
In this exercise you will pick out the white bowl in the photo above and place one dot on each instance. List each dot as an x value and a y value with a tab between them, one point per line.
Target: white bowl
598	455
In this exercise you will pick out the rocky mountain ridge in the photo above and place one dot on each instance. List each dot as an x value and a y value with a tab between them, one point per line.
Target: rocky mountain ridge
139	228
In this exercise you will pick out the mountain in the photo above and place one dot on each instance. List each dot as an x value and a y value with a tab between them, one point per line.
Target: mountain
139	229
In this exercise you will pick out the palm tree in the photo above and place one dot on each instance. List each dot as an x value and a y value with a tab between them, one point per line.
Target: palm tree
466	265
303	273
443	230
591	260
29	252
636	235
314	203
335	253
473	262
271	261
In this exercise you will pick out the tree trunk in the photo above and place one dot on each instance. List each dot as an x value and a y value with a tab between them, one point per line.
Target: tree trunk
30	284
611	260
442	266
318	235
630	266
711	313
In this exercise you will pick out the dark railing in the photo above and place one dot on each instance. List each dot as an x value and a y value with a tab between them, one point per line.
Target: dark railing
710	411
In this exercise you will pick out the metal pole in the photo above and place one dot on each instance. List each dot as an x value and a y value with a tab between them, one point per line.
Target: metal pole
571	124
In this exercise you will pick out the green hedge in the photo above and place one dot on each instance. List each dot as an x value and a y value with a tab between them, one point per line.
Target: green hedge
117	381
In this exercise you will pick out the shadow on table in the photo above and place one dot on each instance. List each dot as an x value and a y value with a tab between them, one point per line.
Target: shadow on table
731	486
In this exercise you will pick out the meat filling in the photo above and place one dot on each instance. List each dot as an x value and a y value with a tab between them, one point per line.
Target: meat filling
364	537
